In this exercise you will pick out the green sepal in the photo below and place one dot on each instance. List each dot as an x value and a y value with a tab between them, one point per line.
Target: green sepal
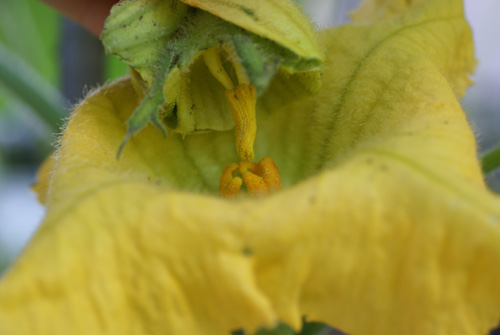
146	112
260	66
149	34
137	32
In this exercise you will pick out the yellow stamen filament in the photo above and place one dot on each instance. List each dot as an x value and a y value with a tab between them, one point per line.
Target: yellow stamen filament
214	64
260	179
242	100
238	67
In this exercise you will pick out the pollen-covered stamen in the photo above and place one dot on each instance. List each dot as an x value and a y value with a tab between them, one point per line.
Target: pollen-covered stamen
270	174
260	179
230	186
251	173
242	100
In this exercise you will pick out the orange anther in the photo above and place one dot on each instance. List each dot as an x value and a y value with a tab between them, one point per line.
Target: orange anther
229	186
270	174
260	179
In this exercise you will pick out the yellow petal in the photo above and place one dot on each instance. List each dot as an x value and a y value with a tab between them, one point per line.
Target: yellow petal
378	81
394	234
447	14
43	179
371	11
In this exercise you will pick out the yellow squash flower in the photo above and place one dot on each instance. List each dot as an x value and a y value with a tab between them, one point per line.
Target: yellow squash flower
384	225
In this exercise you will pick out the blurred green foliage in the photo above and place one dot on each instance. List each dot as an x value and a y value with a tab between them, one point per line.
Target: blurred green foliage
31	38
114	68
30	30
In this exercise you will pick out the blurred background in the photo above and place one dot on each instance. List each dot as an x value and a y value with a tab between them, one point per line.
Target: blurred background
47	63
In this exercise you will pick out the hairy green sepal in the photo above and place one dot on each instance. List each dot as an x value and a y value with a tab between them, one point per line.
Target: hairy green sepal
161	38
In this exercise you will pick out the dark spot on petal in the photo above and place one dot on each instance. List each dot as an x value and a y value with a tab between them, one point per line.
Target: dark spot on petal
171	118
249	12
369	161
140	18
247	251
384	168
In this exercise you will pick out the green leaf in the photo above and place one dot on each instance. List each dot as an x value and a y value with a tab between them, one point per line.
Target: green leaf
26	84
36	39
312	328
282	329
114	68
491	160
137	32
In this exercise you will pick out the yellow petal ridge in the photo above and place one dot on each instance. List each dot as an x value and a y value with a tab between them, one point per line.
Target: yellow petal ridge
458	66
43	176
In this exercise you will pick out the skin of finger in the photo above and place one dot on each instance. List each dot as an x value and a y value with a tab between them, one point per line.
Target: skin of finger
90	14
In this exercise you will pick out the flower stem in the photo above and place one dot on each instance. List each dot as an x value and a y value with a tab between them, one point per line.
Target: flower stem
491	160
26	84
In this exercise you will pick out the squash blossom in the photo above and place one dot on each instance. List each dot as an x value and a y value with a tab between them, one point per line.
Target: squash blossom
383	224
